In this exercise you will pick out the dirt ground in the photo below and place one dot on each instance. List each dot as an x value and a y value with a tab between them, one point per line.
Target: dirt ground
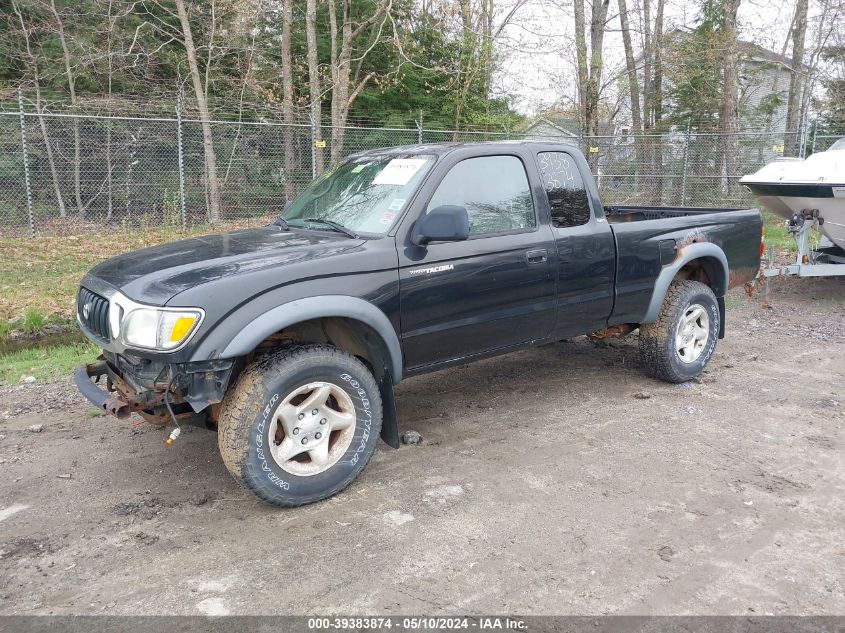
558	480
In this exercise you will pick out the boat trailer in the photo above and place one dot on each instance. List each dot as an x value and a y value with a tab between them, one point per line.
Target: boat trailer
824	260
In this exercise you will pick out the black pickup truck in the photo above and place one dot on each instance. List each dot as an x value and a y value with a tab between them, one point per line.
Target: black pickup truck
288	339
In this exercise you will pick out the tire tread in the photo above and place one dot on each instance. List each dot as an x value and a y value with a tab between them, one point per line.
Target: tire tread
654	337
243	404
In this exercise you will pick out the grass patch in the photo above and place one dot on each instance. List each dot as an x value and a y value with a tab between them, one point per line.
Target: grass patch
40	276
45	364
776	233
33	321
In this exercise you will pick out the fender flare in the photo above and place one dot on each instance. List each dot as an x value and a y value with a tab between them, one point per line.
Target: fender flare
687	254
324	306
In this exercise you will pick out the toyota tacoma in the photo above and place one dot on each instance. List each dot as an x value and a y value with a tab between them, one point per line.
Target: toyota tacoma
288	339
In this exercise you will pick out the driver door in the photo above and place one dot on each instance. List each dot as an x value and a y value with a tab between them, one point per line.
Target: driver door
494	290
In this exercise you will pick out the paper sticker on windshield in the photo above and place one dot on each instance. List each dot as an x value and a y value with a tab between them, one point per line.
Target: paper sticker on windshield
399	171
396	205
359	168
387	218
839	192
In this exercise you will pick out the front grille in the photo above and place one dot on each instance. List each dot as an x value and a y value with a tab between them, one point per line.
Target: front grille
93	311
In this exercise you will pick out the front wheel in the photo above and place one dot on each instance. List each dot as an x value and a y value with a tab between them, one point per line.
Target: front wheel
678	345
300	424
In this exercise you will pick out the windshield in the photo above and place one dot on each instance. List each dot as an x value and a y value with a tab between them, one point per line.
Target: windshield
840	144
364	194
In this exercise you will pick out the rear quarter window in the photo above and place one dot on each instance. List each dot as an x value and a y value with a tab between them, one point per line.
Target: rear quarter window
564	188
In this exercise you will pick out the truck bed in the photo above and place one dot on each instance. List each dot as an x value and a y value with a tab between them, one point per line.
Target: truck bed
617	214
643	233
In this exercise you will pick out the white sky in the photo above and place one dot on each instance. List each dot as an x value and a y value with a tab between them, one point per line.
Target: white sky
537	56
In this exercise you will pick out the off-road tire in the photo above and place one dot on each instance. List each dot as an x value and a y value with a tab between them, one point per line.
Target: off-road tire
658	355
243	435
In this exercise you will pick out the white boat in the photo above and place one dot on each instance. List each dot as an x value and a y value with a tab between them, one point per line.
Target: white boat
812	188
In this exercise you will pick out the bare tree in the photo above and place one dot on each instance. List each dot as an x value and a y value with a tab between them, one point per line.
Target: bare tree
589	73
655	54
287	94
345	86
797	77
201	95
480	32
657	80
315	94
730	89
71	85
32	62
633	78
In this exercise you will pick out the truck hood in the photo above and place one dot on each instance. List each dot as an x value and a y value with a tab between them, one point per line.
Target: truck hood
157	274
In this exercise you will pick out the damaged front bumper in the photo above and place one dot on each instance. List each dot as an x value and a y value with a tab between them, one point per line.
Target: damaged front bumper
157	392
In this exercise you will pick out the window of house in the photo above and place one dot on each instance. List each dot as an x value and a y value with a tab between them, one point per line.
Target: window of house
565	189
495	192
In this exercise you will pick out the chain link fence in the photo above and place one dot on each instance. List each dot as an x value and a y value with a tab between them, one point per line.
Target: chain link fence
65	174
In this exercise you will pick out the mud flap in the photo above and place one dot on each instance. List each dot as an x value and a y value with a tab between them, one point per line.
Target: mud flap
720	301
389	423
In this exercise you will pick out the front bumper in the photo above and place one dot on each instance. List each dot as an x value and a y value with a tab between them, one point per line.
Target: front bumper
119	398
189	388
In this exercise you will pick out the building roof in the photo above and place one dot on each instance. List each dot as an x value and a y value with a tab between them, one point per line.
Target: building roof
543	120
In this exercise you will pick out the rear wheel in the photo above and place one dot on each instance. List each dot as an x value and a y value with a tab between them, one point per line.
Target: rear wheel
300	424
678	345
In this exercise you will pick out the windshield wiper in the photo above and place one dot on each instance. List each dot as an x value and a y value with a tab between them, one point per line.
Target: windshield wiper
333	225
282	224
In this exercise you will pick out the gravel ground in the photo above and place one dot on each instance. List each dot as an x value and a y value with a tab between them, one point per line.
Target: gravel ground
556	480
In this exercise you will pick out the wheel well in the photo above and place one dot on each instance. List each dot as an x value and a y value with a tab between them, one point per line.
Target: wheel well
352	336
707	270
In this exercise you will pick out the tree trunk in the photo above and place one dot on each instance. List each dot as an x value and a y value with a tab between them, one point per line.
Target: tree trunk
796	79
590	77
202	104
71	84
485	61
730	92
648	107
657	81
314	82
581	65
633	84
468	44
343	94
597	29
110	198
287	96
33	61
340	89
51	162
657	103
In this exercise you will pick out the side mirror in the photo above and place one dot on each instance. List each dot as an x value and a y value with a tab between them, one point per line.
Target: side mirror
446	223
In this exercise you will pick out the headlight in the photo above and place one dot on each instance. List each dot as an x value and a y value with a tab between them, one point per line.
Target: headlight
158	329
164	329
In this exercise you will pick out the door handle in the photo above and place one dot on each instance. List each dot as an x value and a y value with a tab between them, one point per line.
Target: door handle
536	257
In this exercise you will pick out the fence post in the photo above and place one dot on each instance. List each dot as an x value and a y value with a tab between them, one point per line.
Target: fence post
420	128
181	162
805	133
313	147
686	165
815	131
29	215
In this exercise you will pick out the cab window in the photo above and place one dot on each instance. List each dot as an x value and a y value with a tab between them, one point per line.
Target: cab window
495	192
